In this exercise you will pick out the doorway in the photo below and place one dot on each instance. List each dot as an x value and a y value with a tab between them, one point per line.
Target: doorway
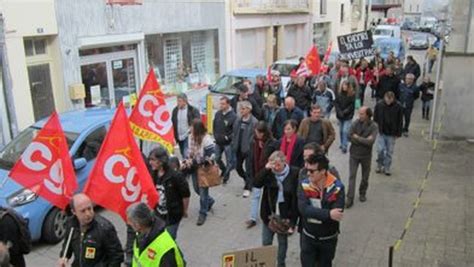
41	89
109	78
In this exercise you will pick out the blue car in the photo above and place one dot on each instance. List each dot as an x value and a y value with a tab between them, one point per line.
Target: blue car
85	131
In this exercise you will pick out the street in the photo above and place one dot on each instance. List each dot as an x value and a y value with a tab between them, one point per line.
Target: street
441	232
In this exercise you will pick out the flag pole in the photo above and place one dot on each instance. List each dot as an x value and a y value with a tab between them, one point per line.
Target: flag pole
68	242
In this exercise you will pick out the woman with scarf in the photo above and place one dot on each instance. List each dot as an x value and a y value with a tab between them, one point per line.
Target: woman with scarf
201	151
261	147
292	145
279	205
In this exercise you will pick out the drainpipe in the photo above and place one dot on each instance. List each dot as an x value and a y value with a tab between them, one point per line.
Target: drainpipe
7	85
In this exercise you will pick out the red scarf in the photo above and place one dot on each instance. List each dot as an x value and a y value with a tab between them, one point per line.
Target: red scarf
287	147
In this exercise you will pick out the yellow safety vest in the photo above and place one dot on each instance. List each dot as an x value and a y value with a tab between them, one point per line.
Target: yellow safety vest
151	255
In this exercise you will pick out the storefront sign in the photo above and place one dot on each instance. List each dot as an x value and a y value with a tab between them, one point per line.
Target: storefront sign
117	64
356	45
261	257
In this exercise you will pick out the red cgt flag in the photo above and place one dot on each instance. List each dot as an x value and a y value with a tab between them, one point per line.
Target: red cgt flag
120	177
45	166
150	119
312	60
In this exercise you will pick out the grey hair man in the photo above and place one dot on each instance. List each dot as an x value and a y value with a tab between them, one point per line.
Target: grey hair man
153	245
409	92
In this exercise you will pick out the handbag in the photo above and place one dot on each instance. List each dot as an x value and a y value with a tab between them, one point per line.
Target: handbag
277	224
209	175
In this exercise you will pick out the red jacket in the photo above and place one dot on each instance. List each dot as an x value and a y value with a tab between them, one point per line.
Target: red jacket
368	75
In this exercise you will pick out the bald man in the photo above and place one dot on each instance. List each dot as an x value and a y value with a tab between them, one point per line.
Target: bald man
94	241
362	134
289	112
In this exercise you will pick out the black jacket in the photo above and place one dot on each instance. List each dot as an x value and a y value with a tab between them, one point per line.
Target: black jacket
388	83
176	189
289	208
10	232
413	68
389	119
193	113
302	96
269	147
222	127
256	109
297	159
345	106
101	238
284	115
143	241
427	91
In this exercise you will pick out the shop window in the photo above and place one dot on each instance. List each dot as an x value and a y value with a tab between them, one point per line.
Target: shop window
107	49
173	59
35	47
342	13
323	7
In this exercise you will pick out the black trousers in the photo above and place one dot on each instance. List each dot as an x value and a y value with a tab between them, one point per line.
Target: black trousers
407	118
317	252
362	93
241	163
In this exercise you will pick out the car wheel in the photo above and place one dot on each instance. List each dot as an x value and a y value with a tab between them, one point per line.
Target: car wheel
54	226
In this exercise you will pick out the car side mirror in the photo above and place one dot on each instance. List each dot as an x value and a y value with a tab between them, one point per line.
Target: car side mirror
80	163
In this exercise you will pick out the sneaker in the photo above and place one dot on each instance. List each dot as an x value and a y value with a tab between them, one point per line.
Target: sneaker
344	150
250	223
246	193
349	203
379	169
201	220
225	180
362	198
388	173
405	134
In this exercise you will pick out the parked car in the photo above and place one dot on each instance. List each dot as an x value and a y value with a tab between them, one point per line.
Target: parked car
85	131
285	67
419	41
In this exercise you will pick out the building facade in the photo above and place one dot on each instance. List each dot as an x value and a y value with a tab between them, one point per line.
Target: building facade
413	10
260	32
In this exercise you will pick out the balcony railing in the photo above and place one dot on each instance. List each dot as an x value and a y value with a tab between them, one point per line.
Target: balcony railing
270	6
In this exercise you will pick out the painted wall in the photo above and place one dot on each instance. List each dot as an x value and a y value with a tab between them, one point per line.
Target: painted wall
93	18
41	21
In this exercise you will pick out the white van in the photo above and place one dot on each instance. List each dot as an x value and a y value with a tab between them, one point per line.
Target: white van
387	31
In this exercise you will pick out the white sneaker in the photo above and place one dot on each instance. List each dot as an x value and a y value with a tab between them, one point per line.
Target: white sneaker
246	193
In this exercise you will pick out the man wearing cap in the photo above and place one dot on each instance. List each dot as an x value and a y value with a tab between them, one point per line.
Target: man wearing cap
183	115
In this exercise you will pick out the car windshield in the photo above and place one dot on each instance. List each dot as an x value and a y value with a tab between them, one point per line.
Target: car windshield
224	84
386	47
13	150
419	38
284	69
383	32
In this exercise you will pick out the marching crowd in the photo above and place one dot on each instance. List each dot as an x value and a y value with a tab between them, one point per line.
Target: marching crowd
277	139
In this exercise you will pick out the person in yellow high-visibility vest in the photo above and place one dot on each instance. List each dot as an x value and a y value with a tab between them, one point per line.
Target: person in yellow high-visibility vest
153	245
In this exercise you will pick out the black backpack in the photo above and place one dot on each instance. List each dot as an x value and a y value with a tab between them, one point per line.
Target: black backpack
24	241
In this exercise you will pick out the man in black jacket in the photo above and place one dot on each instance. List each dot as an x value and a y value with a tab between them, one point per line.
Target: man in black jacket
412	67
302	94
244	90
320	203
10	236
182	117
388	82
289	112
279	182
223	130
101	245
388	115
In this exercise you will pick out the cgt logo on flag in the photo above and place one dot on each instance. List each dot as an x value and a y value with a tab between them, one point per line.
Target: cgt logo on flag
120	176
150	119
130	191
46	162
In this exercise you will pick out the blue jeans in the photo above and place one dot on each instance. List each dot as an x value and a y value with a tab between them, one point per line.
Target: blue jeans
229	158
205	200
267	240
344	126
255	203
183	147
173	230
385	146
